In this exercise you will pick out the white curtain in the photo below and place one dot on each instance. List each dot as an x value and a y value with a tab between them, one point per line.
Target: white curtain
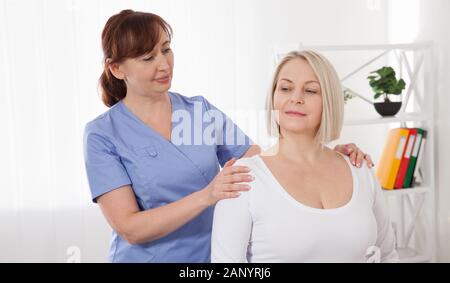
50	60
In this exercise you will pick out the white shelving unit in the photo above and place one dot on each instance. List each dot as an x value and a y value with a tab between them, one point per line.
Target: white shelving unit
415	208
401	118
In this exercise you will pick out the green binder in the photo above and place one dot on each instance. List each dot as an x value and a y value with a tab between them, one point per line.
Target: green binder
413	159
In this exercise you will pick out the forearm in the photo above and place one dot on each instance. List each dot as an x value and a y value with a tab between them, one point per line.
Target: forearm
123	214
152	224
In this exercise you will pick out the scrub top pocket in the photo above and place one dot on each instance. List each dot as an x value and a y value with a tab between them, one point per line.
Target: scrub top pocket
147	167
147	155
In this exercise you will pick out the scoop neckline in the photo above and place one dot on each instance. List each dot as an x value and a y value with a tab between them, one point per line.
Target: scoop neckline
281	190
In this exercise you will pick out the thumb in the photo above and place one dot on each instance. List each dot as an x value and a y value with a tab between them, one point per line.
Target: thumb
229	162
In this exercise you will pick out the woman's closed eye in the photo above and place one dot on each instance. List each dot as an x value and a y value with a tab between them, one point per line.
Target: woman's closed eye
284	88
311	91
151	58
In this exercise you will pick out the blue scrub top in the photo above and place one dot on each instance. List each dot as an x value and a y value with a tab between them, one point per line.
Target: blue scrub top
121	150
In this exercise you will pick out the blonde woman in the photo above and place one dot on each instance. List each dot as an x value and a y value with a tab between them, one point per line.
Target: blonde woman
307	202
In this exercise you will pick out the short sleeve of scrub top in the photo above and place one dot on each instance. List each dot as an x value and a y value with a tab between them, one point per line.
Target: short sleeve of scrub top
105	170
122	150
233	142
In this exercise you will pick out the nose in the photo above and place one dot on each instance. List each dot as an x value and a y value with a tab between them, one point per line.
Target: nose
297	97
163	63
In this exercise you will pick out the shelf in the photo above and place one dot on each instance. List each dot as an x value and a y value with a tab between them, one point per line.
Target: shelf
407	191
408	255
405	117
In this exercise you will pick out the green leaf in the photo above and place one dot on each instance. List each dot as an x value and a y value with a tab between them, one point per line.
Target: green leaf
384	82
378	95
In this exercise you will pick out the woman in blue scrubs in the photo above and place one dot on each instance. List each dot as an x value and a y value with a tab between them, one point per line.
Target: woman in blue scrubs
152	164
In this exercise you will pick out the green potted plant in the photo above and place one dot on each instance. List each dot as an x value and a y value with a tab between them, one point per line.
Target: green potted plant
384	83
348	94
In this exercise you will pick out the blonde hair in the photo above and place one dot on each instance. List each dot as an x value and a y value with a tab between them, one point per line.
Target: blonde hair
332	96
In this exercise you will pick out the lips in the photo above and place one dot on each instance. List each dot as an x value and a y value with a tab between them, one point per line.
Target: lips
164	79
295	114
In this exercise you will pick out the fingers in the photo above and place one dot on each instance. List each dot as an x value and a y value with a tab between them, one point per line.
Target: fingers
230	170
359	158
355	155
231	181
237	178
230	191
352	156
369	161
225	195
231	186
235	187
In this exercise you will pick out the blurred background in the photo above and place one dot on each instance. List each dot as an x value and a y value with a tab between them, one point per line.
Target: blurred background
225	50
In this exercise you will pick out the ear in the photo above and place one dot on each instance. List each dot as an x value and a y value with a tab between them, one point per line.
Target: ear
115	69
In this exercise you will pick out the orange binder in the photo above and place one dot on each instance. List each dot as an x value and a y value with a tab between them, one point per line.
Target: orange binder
390	159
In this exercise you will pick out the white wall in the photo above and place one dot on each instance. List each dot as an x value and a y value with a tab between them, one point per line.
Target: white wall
425	20
434	22
51	59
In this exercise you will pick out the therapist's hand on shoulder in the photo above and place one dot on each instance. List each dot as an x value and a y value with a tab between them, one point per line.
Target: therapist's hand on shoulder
228	183
356	155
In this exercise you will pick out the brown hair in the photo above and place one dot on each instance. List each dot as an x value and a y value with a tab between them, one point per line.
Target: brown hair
128	34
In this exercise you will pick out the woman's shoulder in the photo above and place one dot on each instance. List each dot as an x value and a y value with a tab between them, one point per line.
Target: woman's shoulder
363	169
247	161
364	175
104	123
187	99
192	100
102	120
253	162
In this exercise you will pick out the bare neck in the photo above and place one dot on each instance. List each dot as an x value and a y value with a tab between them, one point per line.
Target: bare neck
302	149
148	108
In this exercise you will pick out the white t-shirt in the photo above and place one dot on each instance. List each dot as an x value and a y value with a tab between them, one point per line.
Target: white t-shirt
266	224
